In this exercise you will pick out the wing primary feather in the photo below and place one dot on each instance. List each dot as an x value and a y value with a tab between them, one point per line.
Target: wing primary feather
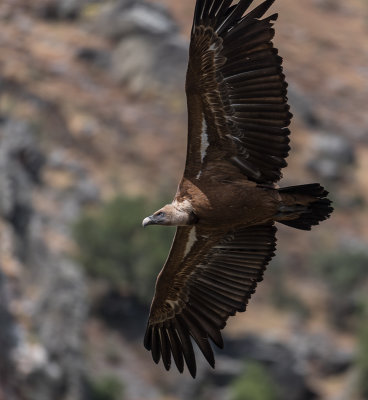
206	10
215	7
234	16
247	26
251	46
165	348
199	336
262	54
223	8
197	14
155	346
259	11
216	320
148	337
212	330
186	345
175	345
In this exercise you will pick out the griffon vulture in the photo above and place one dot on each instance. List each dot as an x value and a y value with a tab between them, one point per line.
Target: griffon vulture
227	202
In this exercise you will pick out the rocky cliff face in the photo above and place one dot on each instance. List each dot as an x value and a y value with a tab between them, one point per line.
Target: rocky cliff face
43	299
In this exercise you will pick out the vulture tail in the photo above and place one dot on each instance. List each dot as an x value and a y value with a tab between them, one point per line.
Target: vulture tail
304	206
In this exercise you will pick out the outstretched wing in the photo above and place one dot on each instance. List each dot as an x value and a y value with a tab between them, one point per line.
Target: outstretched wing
207	278
236	92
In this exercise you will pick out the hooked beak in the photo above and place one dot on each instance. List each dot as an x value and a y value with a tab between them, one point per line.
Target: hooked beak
148	221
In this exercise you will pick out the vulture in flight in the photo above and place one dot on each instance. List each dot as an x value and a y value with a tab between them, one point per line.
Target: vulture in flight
227	202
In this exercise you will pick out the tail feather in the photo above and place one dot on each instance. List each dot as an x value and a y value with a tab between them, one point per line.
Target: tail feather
304	206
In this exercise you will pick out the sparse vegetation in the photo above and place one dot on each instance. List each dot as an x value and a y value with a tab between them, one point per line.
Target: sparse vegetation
281	295
107	388
254	384
343	270
345	273
113	246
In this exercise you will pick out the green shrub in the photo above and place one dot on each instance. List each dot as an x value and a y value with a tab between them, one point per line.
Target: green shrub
107	388
282	296
113	246
254	384
344	270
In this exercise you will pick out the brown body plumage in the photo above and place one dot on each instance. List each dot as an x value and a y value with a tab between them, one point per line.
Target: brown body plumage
227	203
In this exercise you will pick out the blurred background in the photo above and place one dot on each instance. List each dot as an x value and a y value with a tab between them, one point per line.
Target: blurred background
92	139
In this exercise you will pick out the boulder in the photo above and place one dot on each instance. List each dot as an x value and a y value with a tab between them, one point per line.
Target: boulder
145	64
287	363
96	57
8	342
149	53
60	9
124	18
277	358
303	106
332	155
318	349
21	163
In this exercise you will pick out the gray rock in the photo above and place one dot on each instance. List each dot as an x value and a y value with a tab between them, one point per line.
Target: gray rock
60	9
96	57
144	64
59	160
87	192
149	54
8	342
332	155
59	317
333	6
19	145
20	168
129	18
278	359
41	361
334	147
303	106
318	349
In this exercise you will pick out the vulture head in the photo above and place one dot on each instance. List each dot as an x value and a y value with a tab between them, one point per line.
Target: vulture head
176	214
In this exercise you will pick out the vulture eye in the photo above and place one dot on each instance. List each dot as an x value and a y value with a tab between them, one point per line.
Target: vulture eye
160	214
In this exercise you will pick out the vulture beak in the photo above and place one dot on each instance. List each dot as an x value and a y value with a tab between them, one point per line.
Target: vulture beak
148	221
